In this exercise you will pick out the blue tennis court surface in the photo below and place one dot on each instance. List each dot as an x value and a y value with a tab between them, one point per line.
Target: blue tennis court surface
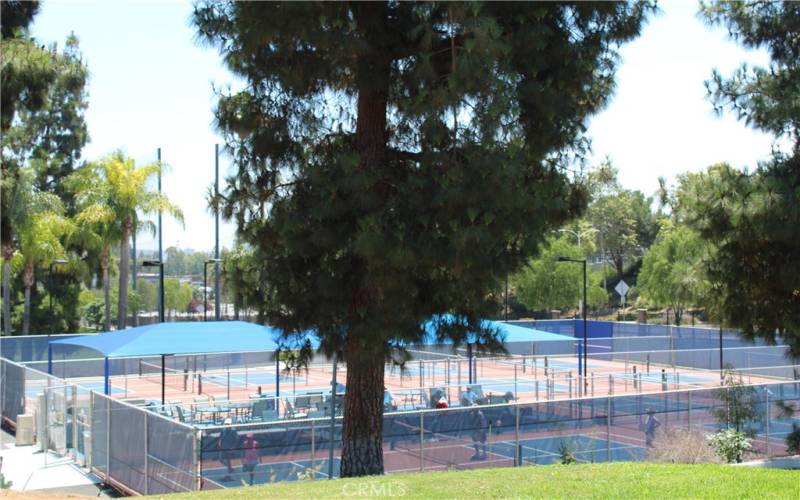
541	451
585	449
270	473
257	378
777	428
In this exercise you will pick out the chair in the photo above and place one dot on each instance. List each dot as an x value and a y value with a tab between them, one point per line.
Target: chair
269	416
325	408
291	411
496	400
179	414
302	402
315	398
258	409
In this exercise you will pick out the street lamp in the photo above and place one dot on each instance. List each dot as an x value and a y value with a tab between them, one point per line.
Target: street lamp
205	284
585	340
160	265
577	234
50	279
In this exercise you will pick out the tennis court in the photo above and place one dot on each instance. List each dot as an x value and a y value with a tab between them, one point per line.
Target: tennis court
443	452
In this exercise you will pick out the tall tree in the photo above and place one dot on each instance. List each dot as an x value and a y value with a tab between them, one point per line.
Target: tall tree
28	73
243	279
614	217
50	139
753	218
544	284
397	160
672	275
624	222
41	241
113	193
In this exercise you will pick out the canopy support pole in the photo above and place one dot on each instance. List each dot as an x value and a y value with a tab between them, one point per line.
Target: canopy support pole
469	361
49	359
163	381
278	382
106	385
333	416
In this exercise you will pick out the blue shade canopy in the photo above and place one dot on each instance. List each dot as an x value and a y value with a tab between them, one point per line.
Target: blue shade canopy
507	333
182	337
516	333
191	337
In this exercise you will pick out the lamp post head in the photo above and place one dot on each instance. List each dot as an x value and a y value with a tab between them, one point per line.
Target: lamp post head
58	261
151	263
569	259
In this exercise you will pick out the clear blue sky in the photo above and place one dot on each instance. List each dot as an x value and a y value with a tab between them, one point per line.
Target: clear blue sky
151	86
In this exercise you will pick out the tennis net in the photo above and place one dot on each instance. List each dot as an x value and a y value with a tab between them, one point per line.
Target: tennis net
173	378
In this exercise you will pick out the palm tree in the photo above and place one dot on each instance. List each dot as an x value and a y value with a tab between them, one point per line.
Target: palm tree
41	242
18	194
38	223
113	194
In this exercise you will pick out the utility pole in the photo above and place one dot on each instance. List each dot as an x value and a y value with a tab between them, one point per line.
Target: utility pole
160	250
217	312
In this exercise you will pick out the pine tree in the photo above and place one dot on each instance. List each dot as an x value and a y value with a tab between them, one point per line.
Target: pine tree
753	218
397	160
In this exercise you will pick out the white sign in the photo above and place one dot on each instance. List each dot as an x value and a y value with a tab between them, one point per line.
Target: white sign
622	288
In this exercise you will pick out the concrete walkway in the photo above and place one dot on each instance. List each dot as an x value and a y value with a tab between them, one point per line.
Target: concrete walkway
31	470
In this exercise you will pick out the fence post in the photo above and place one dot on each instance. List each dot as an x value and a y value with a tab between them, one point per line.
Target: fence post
569	381
146	454
689	409
518	448
313	445
108	439
197	457
74	405
608	429
88	454
766	400
421	439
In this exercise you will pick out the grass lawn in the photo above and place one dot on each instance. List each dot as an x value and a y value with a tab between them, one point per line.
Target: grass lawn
617	480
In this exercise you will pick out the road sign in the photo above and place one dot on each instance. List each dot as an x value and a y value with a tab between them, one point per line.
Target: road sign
622	288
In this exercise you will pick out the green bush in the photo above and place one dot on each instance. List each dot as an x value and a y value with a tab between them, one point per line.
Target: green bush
730	445
793	440
567	456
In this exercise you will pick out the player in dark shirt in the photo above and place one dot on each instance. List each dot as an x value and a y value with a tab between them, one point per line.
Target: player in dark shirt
479	425
228	445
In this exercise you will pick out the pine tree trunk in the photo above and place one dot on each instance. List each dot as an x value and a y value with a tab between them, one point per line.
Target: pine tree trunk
104	258
124	258
8	253
362	430
27	283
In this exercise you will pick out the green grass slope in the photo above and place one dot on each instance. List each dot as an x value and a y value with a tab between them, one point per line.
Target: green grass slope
617	480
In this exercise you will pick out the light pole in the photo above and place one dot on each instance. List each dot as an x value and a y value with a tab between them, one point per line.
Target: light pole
160	265
577	234
50	279
205	285
585	339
